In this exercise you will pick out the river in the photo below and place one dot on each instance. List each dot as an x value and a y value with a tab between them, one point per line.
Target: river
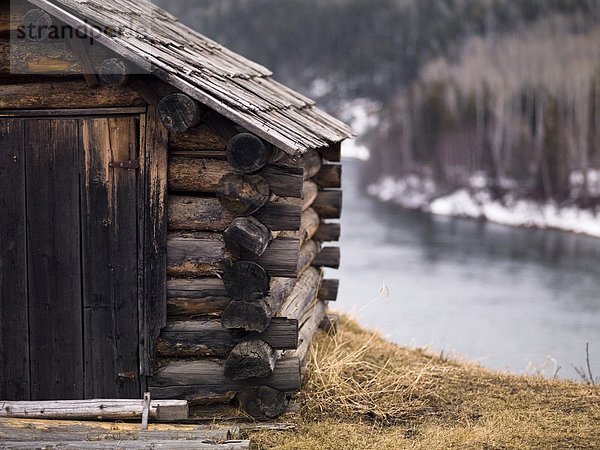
511	299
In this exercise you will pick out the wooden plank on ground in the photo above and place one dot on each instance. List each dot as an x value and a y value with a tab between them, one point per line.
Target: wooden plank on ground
108	409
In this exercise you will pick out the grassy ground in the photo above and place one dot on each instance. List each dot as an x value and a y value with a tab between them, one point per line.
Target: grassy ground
364	392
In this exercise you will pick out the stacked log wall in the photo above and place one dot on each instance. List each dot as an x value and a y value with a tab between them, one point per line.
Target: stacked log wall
246	249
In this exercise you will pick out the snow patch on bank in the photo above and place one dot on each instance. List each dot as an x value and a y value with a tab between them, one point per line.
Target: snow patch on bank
476	202
362	115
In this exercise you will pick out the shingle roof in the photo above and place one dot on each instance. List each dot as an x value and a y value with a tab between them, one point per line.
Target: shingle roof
234	86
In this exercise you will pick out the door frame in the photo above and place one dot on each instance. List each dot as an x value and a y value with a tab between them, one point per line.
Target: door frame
151	217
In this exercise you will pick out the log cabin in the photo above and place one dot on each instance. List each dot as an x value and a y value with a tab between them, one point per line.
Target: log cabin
167	209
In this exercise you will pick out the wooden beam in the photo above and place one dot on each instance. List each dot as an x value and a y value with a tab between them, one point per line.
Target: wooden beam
202	175
197	254
202	338
40	430
246	281
94	409
204	380
248	153
247	235
328	291
178	112
330	176
328	257
328	204
332	153
133	445
207	214
87	67
263	402
243	194
328	232
310	192
198	297
250	359
257	315
310	162
66	94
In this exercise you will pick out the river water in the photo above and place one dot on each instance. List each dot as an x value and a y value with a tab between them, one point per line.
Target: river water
512	299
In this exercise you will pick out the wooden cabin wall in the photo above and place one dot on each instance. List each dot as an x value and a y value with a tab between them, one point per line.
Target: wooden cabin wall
214	325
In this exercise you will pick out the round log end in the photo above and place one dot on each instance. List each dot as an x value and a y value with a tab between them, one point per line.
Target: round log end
37	22
247	233
263	402
250	359
114	72
246	281
247	316
178	112
243	194
247	153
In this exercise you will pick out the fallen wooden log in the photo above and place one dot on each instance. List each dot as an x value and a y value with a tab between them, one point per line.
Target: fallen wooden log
207	214
199	254
328	232
202	175
310	162
263	402
328	204
247	234
246	281
328	291
330	176
94	409
209	338
328	257
198	297
203	381
243	194
257	315
39	430
248	153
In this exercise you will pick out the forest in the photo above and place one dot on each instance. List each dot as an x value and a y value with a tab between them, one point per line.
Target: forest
501	95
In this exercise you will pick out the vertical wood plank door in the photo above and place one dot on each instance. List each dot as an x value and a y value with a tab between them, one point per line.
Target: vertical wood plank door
14	319
110	259
69	259
53	265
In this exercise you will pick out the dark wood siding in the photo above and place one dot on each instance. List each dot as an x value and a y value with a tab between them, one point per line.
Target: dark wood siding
69	263
54	272
14	322
109	249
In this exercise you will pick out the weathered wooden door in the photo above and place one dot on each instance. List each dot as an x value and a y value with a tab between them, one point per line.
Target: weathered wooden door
68	258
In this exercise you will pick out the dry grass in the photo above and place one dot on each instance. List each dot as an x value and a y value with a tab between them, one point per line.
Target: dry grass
364	392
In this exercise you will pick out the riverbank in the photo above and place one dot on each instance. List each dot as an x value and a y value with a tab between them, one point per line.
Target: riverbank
364	392
476	202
